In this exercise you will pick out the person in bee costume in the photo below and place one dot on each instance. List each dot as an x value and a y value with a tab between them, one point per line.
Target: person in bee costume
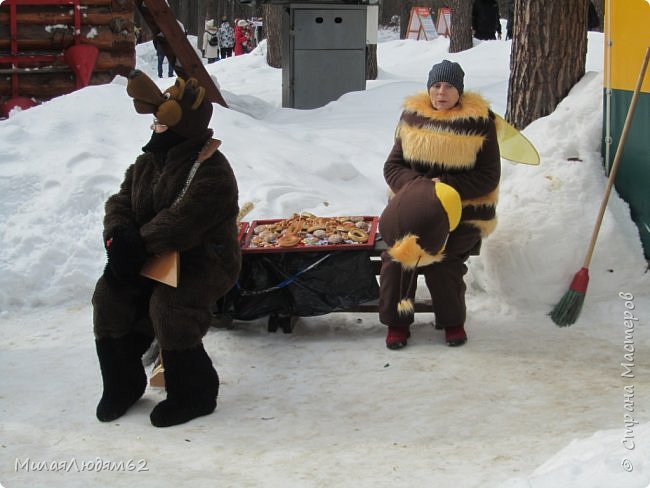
145	218
448	137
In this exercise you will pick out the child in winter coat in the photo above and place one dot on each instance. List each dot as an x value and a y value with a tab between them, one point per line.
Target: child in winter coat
226	38
210	45
179	195
448	136
241	37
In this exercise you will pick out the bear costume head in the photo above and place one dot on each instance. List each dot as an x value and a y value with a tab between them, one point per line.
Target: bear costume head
182	107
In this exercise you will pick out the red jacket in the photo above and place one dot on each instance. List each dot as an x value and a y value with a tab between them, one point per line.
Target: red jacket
240	41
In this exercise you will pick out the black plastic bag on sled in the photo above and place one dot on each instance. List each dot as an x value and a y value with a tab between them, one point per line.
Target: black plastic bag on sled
301	284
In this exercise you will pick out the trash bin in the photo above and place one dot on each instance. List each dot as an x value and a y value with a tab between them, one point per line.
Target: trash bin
324	52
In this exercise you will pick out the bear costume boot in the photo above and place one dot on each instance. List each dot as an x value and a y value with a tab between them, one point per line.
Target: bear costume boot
192	386
123	374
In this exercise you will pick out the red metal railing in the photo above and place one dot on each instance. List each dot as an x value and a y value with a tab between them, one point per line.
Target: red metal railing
80	58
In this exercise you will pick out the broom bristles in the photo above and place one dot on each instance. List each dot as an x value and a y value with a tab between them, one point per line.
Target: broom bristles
567	311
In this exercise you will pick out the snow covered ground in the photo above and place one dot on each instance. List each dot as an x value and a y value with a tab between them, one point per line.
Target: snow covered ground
523	404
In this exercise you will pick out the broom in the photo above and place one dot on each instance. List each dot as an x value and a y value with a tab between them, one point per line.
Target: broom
566	312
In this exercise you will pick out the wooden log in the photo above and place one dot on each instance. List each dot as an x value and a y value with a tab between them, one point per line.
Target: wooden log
120	63
36	38
115	5
48	86
41	17
115	26
31	45
116	63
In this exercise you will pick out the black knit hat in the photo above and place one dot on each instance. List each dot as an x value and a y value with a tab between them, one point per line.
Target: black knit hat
416	224
448	72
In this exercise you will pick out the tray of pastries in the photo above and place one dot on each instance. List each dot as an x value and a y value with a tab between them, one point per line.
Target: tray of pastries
308	232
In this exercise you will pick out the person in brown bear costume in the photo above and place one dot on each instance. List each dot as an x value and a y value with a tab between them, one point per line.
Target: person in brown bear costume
445	135
143	219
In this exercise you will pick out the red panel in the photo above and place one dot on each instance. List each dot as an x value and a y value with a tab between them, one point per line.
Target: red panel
38	2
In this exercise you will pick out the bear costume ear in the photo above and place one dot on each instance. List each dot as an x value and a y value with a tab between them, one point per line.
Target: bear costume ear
177	90
146	95
187	111
198	92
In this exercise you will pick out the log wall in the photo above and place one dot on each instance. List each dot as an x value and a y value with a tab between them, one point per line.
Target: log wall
49	30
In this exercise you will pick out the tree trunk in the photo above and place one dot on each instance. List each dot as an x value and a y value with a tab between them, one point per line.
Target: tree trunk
371	62
461	26
405	16
272	18
549	49
201	15
599	5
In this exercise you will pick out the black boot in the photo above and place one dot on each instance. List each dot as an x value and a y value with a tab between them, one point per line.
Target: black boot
123	374
192	386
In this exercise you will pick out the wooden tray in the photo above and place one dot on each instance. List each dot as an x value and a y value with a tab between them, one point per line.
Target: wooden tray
247	247
243	227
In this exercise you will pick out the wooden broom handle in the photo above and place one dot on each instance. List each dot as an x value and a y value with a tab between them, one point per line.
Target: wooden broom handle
617	159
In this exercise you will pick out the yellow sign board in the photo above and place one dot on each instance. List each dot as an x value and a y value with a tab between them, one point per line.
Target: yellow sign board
627	36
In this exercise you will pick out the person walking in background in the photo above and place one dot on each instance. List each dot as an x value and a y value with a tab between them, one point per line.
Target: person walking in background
137	31
210	44
510	20
160	43
448	136
241	37
593	21
226	38
486	21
